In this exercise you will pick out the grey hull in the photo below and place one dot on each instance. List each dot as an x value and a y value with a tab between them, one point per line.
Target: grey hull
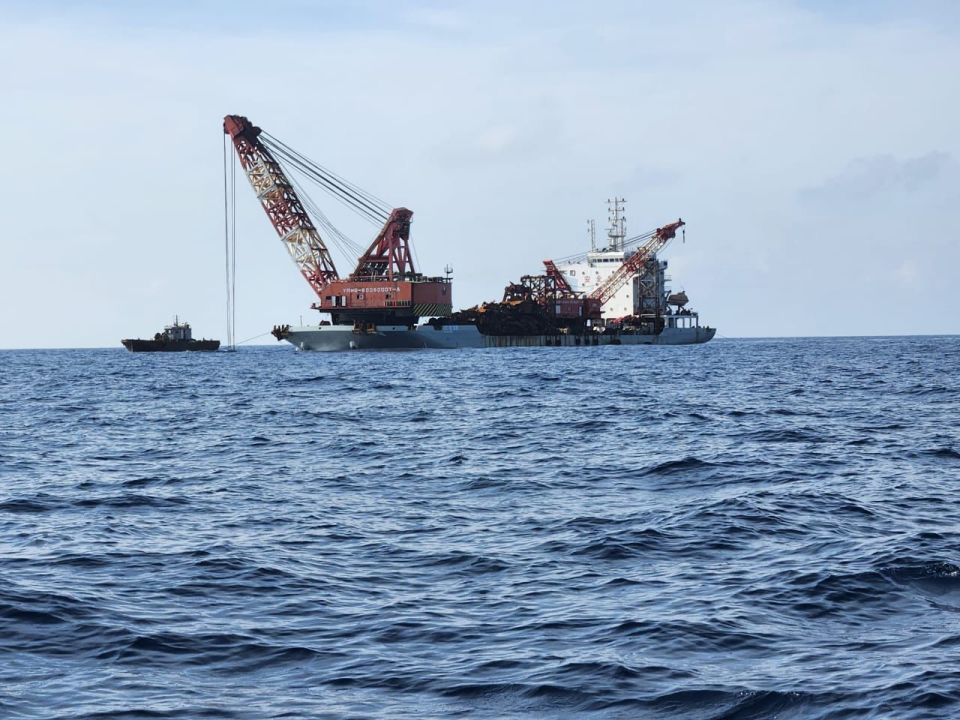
450	337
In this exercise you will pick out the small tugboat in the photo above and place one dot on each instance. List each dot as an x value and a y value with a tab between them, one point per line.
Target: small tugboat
174	338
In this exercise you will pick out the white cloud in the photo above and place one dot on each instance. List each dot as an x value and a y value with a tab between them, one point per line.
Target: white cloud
884	176
908	274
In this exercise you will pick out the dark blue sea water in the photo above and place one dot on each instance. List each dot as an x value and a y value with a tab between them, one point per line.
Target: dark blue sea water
745	529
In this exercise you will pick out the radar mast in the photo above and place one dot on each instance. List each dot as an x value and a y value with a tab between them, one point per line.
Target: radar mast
617	232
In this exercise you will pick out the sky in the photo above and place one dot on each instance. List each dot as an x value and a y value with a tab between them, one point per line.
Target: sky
811	147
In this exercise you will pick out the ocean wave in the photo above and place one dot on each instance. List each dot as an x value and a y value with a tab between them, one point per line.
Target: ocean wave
756	529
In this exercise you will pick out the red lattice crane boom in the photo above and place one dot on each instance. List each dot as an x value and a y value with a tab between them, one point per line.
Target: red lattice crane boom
280	202
632	265
559	280
385	287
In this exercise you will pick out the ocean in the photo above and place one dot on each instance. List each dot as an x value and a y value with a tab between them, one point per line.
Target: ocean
743	529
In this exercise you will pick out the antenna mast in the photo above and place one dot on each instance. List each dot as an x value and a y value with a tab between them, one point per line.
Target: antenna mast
617	232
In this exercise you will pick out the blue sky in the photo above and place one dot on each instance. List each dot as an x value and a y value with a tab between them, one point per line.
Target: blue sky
812	150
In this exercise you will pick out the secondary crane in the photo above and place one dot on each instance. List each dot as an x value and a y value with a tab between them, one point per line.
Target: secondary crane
553	291
559	280
554	295
656	241
570	302
385	287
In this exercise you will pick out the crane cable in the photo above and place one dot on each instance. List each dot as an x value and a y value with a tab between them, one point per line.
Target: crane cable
344	245
629	242
226	235
348	245
360	201
233	251
230	242
354	197
368	196
355	204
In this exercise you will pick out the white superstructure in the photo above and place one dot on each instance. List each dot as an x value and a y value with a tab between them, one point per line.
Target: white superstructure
591	272
645	300
586	273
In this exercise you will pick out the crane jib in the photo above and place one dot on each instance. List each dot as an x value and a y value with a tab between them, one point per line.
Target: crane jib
658	239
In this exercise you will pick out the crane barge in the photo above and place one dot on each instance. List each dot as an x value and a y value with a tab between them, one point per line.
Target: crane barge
384	290
380	303
547	309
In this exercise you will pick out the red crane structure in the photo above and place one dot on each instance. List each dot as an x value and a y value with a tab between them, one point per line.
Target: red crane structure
567	301
552	291
655	241
554	295
385	287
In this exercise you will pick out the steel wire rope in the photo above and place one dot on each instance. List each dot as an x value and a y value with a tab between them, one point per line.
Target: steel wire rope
413	252
355	192
226	237
275	142
341	182
338	239
347	247
342	249
629	242
352	198
255	337
233	251
317	214
366	194
345	198
352	202
358	249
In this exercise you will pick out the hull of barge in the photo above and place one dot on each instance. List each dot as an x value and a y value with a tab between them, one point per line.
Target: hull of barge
331	338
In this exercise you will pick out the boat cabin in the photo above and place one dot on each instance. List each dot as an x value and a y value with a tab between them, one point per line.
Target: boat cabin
178	331
682	319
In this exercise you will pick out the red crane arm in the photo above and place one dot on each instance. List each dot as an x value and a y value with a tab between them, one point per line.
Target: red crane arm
389	253
281	204
631	266
559	280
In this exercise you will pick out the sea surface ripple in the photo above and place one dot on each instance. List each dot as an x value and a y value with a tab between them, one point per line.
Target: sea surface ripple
744	529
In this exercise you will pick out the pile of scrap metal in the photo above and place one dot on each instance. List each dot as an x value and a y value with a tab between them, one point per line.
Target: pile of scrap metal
537	305
516	317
